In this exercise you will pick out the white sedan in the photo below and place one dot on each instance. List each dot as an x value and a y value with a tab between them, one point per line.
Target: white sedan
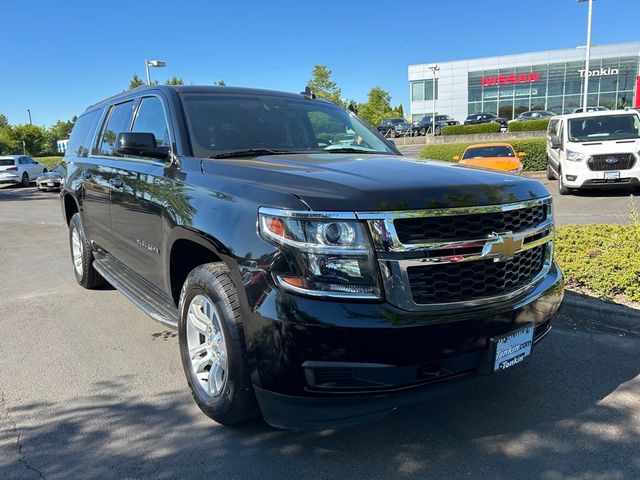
19	169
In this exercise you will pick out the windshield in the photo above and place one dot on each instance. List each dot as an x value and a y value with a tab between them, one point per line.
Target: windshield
226	123
442	117
5	162
610	127
495	151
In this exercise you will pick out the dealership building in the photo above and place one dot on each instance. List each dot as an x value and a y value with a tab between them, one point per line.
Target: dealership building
511	84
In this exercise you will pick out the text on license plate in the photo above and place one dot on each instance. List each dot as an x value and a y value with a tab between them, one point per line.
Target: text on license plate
512	348
611	175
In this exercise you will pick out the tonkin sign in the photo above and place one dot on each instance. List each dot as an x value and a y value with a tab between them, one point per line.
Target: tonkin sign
599	72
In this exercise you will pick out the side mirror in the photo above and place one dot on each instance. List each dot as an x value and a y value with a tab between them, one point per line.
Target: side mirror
140	144
522	154
555	142
456	158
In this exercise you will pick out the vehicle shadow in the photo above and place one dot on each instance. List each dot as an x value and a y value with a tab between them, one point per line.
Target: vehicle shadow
570	412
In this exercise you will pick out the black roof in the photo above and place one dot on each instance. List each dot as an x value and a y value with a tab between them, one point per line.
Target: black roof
198	89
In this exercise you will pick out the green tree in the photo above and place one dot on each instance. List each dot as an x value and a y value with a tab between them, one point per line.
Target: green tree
377	107
220	83
4	121
174	81
322	85
35	138
135	82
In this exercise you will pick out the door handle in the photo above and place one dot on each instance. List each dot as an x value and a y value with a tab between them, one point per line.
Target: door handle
86	174
116	182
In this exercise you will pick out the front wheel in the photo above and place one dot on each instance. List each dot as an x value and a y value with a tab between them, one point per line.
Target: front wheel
437	131
562	188
212	346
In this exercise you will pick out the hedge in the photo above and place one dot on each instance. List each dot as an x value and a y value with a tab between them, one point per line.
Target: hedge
529	126
534	148
471	129
48	162
601	259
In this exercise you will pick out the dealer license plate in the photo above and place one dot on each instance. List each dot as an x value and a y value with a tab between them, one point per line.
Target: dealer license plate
512	348
611	175
49	184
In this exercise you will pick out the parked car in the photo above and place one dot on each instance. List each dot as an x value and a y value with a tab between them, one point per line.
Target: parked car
424	125
594	149
497	156
590	109
19	169
50	180
477	118
394	127
311	281
534	115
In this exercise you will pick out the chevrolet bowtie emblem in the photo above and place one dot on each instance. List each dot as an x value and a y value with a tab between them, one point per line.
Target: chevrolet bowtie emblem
502	246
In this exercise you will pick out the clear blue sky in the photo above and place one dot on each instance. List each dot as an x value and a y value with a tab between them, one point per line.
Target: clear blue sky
59	57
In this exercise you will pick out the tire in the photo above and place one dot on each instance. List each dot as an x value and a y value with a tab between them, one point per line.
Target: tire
82	256
25	180
550	174
209	298
423	131
436	131
562	188
44	171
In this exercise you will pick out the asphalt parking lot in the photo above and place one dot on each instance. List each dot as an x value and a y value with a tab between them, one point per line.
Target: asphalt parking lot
92	388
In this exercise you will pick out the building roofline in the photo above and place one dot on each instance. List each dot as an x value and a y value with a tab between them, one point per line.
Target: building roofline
609	45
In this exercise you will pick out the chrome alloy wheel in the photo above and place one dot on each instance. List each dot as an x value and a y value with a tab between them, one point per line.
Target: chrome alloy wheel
76	249
207	346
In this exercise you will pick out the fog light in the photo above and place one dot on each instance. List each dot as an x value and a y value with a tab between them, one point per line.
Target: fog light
570	178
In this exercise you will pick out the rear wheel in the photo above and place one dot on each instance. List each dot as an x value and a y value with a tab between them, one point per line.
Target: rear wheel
82	256
212	346
550	174
437	131
25	179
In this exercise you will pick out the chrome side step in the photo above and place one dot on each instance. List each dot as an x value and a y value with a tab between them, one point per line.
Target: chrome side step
139	291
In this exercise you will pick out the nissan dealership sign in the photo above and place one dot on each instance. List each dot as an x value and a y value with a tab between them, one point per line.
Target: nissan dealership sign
599	72
510	79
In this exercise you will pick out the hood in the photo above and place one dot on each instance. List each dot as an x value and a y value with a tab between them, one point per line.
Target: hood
49	175
355	182
497	163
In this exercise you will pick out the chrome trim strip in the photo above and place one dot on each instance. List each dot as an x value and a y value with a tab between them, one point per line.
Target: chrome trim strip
448	212
307	214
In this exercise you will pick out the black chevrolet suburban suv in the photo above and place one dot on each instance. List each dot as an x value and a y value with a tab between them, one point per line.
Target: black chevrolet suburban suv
314	274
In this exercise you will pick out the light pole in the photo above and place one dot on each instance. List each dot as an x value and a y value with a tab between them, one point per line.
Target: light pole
153	63
29	112
434	69
587	56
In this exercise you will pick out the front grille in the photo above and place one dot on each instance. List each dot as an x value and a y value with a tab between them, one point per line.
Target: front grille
476	226
462	281
623	161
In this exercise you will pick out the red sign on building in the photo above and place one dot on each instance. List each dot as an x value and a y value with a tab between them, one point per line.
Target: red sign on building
510	79
636	104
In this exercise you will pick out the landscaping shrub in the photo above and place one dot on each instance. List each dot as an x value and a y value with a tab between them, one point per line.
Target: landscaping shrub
529	126
471	129
534	148
601	259
48	162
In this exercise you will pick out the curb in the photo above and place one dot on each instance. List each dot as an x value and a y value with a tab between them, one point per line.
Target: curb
591	311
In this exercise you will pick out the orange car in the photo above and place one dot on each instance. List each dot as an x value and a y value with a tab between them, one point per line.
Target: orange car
499	156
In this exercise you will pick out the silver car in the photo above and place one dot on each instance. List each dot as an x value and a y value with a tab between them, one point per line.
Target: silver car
19	169
50	180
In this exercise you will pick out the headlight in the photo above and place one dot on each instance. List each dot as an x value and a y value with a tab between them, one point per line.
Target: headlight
329	254
575	156
517	170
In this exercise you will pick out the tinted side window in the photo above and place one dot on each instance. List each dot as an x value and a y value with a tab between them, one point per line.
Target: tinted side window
151	119
81	134
119	121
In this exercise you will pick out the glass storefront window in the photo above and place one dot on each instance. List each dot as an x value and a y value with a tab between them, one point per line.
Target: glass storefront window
571	102
417	91
490	107
554	104
520	106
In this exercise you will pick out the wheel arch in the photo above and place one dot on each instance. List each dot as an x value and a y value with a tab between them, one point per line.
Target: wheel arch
70	206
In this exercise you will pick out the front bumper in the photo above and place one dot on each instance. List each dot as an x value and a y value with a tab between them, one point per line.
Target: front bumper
583	177
323	364
10	179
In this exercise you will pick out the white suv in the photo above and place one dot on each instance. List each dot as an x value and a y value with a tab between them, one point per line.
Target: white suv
19	169
594	149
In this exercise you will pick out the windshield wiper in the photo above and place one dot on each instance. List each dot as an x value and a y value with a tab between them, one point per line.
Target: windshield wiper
250	152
